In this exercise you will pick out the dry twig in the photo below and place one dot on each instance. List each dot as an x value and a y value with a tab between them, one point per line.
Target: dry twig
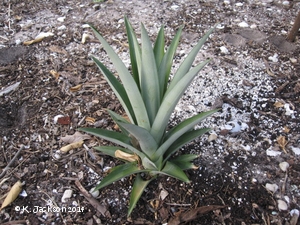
100	208
15	222
11	162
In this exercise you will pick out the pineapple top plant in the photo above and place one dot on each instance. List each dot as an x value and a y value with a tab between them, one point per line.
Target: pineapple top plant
149	97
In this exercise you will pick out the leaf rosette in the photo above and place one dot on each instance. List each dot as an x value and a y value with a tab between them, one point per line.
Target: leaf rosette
149	96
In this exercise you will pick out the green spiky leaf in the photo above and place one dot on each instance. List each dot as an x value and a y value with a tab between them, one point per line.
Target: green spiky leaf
184	162
172	170
119	172
137	190
131	88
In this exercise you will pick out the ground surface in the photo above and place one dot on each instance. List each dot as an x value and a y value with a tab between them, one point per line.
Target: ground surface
253	77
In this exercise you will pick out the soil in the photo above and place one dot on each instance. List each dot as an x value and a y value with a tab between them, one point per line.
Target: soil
51	87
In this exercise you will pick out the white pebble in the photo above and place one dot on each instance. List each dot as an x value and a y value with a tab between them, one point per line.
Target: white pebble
63	27
247	147
18	41
271	152
287	199
288	111
23	193
284	166
85	26
212	137
44	34
61	19
57	156
272	187
67	194
274	58
285	3
294	212
95	194
220	26
296	150
236	127
243	24
224	50
174	7
239	4
282	205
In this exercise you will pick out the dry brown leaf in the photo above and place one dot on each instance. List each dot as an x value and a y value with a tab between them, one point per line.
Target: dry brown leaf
193	214
282	142
84	38
76	137
57	49
116	127
286	129
71	146
12	194
76	88
55	74
33	41
279	104
126	156
39	38
90	120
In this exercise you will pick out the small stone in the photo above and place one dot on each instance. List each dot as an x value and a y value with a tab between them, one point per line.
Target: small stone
85	26
212	137
18	42
67	194
174	7
282	206
163	194
293	60
236	127
253	181
272	187
288	111
224	50
23	193
121	21
271	152
294	211
274	58
94	193
295	215
285	3
296	150
243	24
239	4
63	27
57	156
284	166
61	19
220	26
